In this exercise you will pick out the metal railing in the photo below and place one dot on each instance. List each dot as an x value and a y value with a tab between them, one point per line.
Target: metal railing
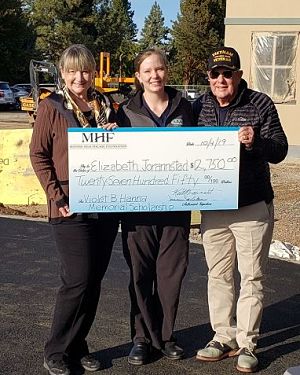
199	88
191	92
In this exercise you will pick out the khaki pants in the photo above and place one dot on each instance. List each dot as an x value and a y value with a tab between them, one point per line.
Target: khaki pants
244	234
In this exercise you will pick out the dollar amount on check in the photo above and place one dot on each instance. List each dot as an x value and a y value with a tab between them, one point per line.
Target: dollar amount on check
153	169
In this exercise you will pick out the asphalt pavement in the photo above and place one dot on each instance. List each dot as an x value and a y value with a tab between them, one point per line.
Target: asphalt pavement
29	279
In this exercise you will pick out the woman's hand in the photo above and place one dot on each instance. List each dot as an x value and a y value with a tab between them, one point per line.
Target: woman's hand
65	211
110	126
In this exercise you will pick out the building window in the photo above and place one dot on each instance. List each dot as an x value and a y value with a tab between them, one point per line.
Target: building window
273	65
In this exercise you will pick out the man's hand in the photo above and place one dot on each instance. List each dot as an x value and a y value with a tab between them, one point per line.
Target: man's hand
246	136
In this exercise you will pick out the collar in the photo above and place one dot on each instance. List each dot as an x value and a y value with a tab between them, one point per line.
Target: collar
136	102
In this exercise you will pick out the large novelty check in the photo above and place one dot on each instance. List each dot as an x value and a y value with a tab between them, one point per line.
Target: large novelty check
153	169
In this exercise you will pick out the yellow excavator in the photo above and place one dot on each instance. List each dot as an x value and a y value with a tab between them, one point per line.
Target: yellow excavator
118	88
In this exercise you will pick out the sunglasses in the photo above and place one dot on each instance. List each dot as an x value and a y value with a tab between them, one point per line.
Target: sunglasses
226	74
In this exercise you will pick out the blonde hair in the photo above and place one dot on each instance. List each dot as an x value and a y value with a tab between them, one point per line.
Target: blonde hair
142	56
77	57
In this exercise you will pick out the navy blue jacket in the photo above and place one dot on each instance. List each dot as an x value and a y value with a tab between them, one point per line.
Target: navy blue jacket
134	114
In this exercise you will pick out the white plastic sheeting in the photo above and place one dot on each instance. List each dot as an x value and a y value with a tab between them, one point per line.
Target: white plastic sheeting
273	65
284	250
293	371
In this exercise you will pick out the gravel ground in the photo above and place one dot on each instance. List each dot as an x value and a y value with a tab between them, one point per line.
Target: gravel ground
286	183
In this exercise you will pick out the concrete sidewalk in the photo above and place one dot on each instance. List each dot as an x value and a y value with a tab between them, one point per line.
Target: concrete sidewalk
29	279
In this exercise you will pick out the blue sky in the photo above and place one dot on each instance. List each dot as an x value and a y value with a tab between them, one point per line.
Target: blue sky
141	9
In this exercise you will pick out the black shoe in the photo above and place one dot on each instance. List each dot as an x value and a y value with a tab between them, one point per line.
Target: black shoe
139	354
172	351
56	367
90	363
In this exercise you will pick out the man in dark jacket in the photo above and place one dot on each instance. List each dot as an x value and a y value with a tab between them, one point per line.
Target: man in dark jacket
244	233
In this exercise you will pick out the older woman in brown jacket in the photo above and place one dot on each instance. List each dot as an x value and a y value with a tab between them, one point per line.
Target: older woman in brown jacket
84	241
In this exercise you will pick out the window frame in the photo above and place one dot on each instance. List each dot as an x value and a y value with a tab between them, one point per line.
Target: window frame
284	98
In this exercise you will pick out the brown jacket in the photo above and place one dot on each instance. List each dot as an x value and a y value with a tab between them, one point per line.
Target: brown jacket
49	151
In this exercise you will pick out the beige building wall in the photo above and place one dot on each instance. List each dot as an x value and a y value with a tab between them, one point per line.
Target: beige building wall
244	17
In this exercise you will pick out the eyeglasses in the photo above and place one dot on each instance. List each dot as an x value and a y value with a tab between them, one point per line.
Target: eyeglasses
214	74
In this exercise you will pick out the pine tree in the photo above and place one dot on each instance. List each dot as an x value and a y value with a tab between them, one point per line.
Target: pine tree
59	24
154	32
121	36
102	19
198	29
16	40
102	25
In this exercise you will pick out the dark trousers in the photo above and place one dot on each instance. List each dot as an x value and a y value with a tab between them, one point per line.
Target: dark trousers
84	248
157	255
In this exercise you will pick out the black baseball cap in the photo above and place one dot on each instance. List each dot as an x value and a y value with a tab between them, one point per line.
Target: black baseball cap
225	57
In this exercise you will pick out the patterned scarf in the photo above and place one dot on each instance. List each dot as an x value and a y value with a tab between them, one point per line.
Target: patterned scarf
99	108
